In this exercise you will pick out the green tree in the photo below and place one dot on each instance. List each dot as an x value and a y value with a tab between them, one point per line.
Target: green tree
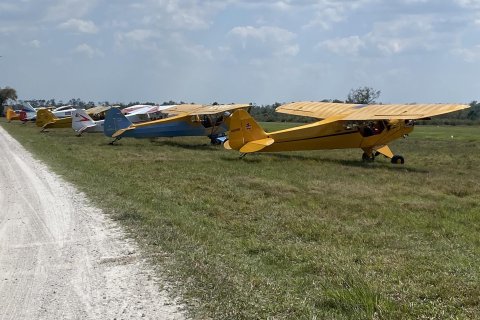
5	94
363	95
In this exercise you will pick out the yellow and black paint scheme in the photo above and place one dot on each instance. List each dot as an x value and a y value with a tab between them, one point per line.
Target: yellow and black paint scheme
347	127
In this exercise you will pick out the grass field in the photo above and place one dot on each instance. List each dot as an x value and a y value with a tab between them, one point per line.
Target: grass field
301	235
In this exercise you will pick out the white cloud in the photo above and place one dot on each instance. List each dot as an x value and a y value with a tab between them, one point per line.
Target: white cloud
87	50
268	40
137	35
137	39
66	9
328	12
343	46
9	7
403	34
180	14
469	54
263	34
79	25
472	4
34	43
7	31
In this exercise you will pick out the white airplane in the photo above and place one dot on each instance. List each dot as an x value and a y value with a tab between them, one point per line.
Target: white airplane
82	122
143	113
63	111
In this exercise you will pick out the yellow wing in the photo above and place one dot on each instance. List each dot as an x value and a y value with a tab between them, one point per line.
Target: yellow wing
214	109
350	111
98	109
199	109
181	108
402	111
320	110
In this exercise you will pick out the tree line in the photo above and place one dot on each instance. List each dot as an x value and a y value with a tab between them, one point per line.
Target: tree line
266	113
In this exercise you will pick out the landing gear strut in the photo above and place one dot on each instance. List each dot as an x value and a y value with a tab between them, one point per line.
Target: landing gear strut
113	142
396	159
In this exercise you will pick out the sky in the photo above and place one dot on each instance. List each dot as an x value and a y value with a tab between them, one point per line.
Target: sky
423	51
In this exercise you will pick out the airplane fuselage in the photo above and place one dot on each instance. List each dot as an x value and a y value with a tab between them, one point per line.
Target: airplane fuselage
338	135
177	126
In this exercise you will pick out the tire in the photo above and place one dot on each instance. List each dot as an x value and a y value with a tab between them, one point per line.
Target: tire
398	160
367	158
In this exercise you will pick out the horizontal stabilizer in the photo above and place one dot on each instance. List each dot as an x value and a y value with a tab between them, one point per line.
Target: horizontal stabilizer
121	131
80	131
47	124
257	145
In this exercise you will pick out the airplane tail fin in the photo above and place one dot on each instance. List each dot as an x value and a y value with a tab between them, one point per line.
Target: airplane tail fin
245	134
115	123
11	114
27	107
23	115
81	120
44	117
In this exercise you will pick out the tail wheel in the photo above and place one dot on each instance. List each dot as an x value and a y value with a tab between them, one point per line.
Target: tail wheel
368	158
215	142
398	160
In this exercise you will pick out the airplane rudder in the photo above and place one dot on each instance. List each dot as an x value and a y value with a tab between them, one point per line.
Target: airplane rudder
114	121
43	117
251	129
243	129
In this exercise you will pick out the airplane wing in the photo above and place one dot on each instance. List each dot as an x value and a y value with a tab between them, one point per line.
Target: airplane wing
141	110
214	109
320	110
350	111
98	109
181	108
199	109
402	111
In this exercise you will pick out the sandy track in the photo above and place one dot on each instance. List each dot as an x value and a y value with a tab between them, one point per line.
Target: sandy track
61	258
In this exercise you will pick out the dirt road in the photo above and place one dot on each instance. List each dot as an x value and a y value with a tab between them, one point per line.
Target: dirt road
61	258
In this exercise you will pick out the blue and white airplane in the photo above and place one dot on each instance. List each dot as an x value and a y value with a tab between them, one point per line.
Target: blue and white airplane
178	120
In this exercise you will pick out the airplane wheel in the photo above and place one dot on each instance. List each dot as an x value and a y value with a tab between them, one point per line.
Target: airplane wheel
367	158
215	142
398	160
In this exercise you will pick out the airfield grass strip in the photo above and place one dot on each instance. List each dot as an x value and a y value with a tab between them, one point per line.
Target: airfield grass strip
302	235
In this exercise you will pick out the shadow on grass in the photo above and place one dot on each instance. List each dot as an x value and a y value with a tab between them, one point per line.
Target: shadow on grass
240	158
178	144
381	164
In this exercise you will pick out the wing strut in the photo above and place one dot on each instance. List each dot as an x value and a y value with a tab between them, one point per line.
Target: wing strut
385	150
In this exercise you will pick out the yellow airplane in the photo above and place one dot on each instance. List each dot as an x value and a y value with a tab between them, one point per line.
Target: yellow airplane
46	119
369	127
10	114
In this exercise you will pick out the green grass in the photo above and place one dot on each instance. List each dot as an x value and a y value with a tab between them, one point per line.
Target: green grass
300	235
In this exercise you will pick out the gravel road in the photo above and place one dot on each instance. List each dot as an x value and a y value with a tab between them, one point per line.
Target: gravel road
62	258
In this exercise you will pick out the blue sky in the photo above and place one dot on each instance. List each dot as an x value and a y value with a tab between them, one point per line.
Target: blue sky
240	51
